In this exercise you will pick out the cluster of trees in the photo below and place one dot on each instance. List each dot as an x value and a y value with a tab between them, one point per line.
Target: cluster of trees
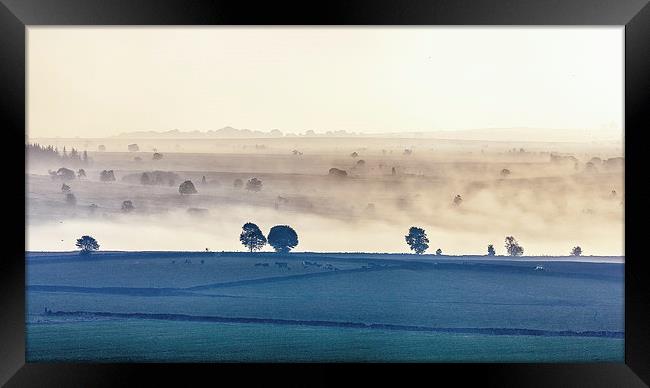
254	184
66	174
281	237
45	153
284	238
418	242
50	153
153	178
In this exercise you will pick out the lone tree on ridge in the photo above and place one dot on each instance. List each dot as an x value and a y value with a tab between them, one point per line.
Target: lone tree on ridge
282	238
87	245
512	247
417	240
252	237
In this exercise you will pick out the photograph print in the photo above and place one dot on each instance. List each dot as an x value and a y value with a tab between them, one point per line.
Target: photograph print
324	194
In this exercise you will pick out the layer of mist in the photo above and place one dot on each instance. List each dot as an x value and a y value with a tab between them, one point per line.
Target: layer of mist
550	196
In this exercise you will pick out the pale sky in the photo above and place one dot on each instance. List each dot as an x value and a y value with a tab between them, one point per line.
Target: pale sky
102	81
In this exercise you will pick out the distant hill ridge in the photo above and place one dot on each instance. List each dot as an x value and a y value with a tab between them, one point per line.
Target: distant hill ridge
489	134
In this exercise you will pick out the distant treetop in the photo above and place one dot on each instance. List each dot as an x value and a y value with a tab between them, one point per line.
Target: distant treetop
252	237
187	187
417	240
87	244
282	238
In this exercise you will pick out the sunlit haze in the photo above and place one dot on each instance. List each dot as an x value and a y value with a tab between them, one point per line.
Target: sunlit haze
102	81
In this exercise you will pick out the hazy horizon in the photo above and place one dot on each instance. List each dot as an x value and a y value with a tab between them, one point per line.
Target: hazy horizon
467	186
104	81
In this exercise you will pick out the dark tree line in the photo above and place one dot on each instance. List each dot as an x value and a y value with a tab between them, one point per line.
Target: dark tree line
51	154
283	238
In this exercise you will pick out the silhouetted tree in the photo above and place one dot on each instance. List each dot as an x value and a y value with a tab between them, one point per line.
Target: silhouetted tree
81	173
63	174
254	184
252	237
107	176
458	200
337	172
282	238
70	199
87	244
187	187
127	206
505	172
393	171
491	251
576	251
65	188
85	157
157	156
354	155
238	183
417	240
512	247
361	163
438	252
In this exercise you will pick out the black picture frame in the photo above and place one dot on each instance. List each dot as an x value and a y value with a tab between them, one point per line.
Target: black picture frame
16	15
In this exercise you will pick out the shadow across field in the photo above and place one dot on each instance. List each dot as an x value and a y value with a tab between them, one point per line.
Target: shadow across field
341	324
572	270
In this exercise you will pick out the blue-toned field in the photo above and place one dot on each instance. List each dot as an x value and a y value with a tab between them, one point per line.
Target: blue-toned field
200	306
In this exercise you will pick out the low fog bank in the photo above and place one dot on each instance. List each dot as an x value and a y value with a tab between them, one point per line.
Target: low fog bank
465	195
315	234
